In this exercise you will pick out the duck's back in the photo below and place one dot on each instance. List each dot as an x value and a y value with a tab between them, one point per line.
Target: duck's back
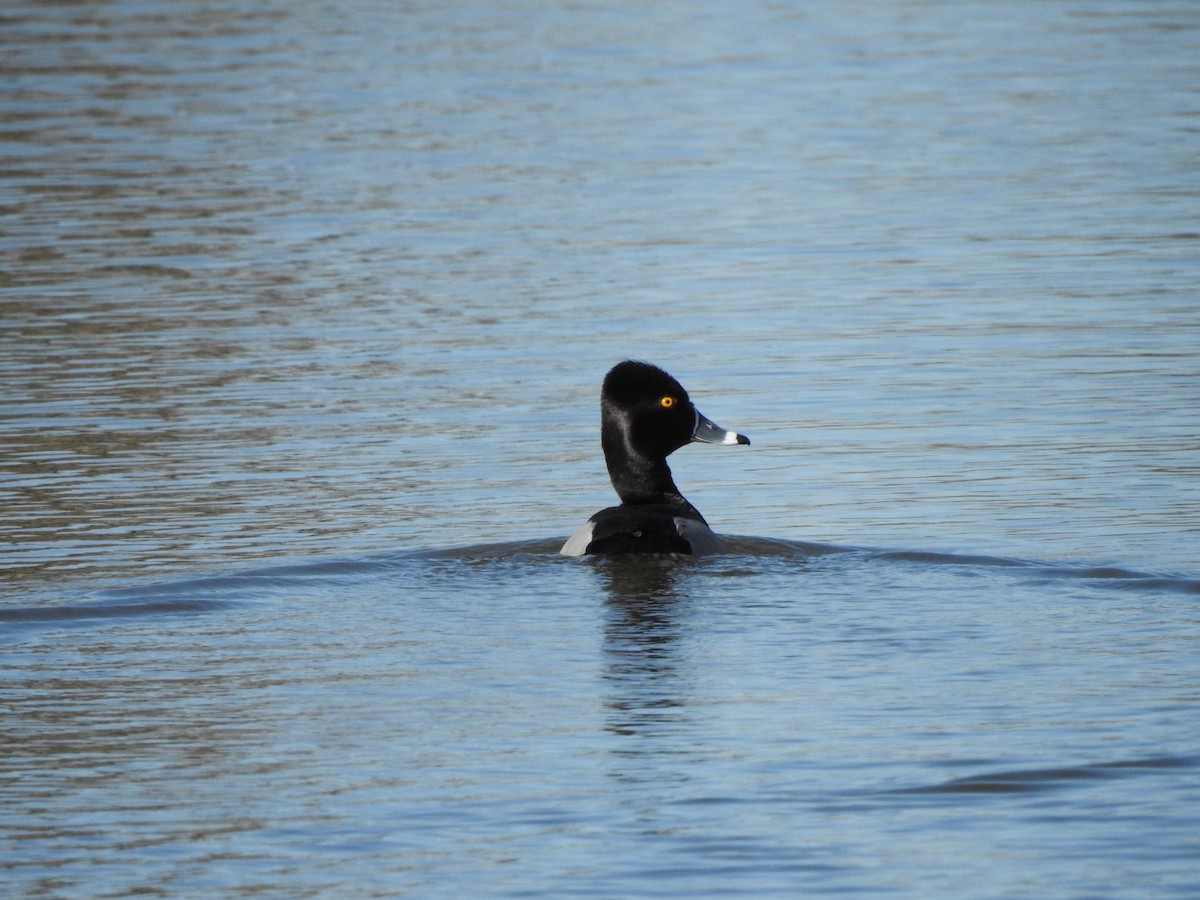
642	528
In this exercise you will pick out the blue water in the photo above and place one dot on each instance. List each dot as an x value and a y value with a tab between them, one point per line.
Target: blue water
304	314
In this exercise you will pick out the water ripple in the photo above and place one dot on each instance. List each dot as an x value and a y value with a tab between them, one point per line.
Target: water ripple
1024	781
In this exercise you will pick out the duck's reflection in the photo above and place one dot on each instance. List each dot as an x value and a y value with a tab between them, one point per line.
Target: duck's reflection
645	666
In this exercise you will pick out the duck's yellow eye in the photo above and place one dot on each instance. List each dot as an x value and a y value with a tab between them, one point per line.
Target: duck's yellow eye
667	402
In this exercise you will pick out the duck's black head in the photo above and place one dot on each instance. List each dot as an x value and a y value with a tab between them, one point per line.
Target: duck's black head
645	415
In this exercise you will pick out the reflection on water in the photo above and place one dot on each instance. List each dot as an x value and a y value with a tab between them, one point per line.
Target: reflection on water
296	302
641	634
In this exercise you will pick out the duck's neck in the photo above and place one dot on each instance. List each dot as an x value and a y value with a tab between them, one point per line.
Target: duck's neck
638	479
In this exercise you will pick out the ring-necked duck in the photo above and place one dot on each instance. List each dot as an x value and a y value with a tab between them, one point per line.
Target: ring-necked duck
645	415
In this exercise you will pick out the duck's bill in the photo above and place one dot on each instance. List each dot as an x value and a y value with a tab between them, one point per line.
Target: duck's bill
709	432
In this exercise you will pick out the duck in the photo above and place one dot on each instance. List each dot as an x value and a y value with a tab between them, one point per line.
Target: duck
645	416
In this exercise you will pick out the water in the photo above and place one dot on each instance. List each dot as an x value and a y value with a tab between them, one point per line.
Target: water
305	311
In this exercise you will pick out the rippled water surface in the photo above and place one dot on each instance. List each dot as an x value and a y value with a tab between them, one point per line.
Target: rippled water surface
303	314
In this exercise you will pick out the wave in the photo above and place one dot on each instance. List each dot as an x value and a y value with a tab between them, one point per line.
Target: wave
1104	576
206	594
103	610
1024	781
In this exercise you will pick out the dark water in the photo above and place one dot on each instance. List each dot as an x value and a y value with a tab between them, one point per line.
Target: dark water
304	311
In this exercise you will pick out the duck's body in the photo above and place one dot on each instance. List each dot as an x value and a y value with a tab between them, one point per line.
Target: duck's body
645	415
